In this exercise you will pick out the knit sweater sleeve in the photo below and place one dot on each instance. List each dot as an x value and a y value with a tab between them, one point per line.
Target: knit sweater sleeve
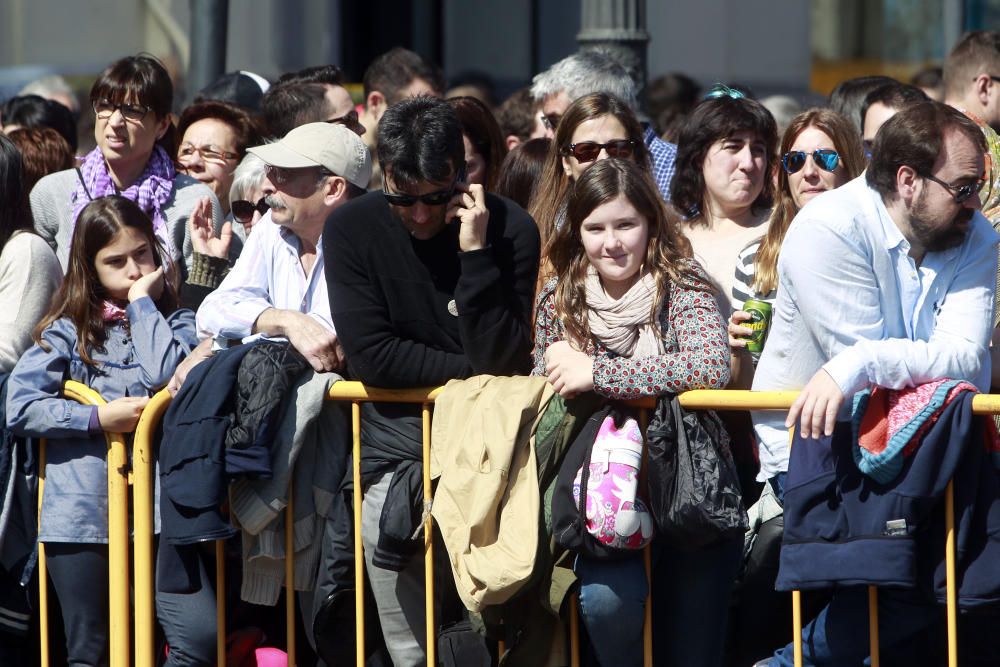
700	359
29	276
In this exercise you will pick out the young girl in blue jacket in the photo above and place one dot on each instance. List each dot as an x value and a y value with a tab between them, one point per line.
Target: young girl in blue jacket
114	325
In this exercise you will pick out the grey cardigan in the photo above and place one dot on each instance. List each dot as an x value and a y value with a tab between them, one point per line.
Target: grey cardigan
53	214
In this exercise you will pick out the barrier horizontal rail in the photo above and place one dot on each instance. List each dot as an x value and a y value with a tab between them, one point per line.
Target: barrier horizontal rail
358	393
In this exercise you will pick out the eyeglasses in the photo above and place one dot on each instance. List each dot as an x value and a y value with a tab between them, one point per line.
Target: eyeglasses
243	210
722	90
348	120
960	193
281	175
207	153
551	120
104	109
587	151
430	199
826	159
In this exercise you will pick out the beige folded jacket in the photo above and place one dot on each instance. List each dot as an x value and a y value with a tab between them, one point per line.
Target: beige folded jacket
487	500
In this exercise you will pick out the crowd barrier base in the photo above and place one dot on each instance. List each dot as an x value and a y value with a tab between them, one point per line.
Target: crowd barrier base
356	393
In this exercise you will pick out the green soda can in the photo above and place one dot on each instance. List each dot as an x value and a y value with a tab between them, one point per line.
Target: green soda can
759	322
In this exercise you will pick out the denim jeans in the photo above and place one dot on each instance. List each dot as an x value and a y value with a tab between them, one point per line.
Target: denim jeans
189	622
839	634
690	604
79	574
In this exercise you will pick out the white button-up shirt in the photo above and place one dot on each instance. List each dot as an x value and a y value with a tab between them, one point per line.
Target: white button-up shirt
853	302
268	274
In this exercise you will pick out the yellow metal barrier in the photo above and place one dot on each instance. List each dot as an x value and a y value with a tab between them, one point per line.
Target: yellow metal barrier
118	566
357	394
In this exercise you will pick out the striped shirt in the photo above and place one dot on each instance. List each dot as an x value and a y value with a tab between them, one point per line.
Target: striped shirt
743	289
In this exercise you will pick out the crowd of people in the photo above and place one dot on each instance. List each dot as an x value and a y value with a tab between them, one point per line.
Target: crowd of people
270	239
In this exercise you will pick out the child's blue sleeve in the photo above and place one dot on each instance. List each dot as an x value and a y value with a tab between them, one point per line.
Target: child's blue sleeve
160	343
35	407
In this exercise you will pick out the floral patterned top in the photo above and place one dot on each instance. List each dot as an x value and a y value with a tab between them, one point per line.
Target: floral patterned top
694	337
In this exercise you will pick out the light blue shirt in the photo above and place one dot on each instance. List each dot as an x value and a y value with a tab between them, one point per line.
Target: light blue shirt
853	302
268	274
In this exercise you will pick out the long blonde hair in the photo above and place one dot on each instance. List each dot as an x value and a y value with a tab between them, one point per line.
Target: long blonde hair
846	142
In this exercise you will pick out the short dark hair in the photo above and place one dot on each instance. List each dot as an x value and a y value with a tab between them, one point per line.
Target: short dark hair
517	114
522	170
286	106
847	98
32	111
244	126
712	120
975	53
328	75
141	78
396	69
894	95
420	139
913	137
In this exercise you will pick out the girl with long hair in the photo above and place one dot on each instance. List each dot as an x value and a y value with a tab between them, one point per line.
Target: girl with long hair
114	326
629	314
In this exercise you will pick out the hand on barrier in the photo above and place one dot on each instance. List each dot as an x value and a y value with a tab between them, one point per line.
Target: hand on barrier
570	371
738	334
202	235
816	406
122	414
150	285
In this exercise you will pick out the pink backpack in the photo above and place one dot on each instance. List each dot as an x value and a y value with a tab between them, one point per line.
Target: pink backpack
616	517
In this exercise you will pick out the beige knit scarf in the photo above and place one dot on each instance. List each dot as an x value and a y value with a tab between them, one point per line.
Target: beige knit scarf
625	325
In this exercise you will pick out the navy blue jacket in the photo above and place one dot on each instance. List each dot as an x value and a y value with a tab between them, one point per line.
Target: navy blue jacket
844	528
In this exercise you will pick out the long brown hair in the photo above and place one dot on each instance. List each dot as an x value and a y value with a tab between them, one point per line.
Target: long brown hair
667	250
846	142
555	183
81	296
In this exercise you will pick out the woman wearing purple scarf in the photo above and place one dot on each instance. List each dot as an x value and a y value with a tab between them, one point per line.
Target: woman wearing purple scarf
132	99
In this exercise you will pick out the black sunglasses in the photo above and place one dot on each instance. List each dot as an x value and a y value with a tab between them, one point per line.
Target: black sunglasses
243	209
430	199
826	159
960	193
587	151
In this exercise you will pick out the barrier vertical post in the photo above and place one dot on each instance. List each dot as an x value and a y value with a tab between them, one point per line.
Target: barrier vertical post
431	630
359	553
574	631
220	602
950	578
43	571
873	624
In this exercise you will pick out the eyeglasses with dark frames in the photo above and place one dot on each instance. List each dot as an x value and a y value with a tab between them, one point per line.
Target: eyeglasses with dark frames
104	109
588	151
438	198
551	120
826	159
960	193
208	153
281	175
243	210
349	120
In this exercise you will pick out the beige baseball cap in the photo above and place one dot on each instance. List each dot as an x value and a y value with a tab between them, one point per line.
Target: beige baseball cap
329	145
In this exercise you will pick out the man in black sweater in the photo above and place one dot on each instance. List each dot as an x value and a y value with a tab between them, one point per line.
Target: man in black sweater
430	280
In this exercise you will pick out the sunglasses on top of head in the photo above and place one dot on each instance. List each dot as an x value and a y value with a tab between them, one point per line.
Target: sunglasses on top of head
826	159
587	151
438	198
243	210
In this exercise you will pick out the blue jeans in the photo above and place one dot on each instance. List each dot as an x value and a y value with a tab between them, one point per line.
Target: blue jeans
839	634
189	622
690	604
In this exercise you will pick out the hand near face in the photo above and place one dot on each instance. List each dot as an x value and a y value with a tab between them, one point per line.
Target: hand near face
816	407
150	285
468	206
569	371
202	234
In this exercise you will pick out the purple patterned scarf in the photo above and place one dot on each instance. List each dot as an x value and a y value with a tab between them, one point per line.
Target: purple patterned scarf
150	191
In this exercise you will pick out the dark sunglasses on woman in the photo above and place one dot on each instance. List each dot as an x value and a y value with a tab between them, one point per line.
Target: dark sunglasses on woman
243	209
587	151
826	159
